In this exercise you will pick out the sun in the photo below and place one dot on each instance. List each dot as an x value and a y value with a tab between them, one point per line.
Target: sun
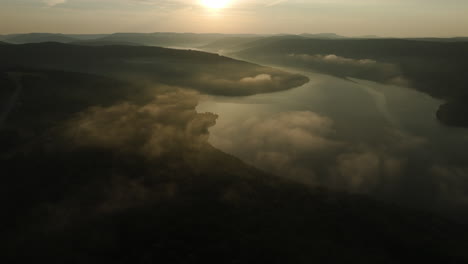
215	4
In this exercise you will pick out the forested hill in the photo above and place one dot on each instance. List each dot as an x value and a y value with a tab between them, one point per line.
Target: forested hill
205	72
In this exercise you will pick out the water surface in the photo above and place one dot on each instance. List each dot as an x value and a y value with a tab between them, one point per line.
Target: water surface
348	134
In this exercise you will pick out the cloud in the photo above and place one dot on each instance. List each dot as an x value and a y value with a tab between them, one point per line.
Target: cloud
151	145
259	78
348	67
332	58
169	124
272	81
364	170
280	142
303	146
296	130
306	147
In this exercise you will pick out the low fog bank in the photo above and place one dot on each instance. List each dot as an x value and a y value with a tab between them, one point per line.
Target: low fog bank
358	136
303	146
346	67
124	172
168	124
436	68
117	167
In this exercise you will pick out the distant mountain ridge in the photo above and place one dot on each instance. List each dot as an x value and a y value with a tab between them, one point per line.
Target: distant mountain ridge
37	38
168	39
323	36
99	42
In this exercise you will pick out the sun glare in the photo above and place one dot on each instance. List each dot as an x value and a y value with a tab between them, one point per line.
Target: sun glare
215	4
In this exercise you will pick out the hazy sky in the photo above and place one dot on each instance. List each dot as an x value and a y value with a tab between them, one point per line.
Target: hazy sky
346	17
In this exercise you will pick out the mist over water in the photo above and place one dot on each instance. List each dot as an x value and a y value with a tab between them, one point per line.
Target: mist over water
143	153
352	135
224	131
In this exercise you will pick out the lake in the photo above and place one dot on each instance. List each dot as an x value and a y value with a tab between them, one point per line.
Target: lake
348	134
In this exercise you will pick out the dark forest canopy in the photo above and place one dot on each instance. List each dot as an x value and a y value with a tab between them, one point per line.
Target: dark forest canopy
208	73
101	170
107	159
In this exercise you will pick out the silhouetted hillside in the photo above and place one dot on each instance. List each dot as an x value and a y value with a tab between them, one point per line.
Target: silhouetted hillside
368	37
205	72
86	36
102	171
93	42
164	39
323	36
38	38
456	39
382	49
229	44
